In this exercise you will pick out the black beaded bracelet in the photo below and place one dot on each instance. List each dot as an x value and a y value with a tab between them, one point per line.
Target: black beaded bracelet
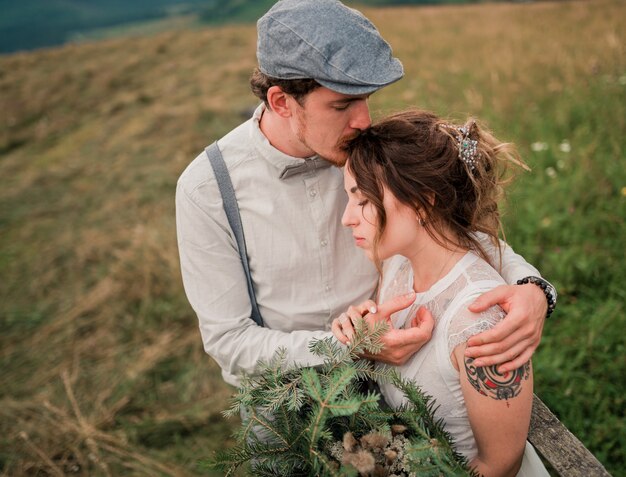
548	291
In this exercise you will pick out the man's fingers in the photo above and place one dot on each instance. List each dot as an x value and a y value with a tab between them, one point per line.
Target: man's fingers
498	333
518	362
504	354
493	348
397	303
497	296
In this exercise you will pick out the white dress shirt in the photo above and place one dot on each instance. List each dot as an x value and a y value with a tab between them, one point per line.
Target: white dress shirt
304	264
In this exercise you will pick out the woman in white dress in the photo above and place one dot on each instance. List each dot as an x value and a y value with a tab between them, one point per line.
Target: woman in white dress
422	195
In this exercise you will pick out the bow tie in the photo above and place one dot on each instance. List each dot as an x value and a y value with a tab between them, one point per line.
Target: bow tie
304	166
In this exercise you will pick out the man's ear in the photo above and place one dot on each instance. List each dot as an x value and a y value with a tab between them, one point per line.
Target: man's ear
279	101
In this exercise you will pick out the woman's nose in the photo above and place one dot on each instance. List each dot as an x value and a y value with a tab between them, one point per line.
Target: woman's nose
347	219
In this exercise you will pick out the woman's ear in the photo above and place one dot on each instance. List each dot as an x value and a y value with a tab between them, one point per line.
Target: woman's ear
279	101
420	219
421	212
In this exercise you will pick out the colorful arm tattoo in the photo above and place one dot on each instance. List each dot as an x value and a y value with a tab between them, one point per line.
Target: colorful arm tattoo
489	382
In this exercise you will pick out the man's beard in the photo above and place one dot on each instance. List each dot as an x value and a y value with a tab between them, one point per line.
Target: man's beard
339	151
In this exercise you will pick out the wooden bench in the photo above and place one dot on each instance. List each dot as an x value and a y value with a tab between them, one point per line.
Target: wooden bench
559	447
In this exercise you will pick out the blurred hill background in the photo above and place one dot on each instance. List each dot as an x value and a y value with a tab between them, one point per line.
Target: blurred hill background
31	24
103	371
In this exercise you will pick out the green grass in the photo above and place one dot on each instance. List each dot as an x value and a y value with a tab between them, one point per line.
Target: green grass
103	371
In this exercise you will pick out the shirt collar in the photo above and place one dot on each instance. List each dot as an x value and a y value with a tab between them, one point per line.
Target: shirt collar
286	165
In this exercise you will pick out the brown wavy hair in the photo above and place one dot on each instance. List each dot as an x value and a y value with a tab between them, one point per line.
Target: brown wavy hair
298	88
414	155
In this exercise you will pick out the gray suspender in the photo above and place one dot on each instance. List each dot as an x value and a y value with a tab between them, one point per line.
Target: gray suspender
234	219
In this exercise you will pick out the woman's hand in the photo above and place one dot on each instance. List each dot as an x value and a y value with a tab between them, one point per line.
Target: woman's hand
343	325
399	344
514	340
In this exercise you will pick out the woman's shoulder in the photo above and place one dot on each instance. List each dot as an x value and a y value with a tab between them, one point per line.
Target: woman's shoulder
479	274
477	277
470	277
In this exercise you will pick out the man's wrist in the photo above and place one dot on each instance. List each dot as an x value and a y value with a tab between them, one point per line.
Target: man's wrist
546	287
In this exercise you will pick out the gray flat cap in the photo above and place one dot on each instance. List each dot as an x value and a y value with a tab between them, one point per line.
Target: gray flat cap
326	41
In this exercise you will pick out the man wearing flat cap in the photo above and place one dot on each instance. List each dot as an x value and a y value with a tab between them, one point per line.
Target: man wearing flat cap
318	63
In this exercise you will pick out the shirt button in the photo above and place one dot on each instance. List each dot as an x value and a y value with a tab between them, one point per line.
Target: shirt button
327	288
324	242
312	192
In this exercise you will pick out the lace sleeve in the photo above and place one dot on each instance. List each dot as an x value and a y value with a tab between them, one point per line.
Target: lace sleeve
466	324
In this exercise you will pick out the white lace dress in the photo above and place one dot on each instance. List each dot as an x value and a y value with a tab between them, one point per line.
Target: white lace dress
431	368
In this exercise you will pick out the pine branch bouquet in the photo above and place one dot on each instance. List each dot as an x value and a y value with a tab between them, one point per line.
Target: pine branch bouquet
319	421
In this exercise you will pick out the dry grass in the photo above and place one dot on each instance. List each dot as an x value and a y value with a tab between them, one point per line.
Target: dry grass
102	367
478	58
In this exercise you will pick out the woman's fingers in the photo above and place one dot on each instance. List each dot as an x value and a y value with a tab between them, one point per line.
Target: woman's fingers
337	330
367	306
347	325
400	302
424	320
354	315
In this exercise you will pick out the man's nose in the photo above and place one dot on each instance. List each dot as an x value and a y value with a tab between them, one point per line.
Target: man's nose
361	116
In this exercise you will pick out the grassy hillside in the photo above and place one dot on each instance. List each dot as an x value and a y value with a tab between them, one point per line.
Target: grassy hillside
103	371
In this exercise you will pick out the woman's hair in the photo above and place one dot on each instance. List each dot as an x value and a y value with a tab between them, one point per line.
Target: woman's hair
450	176
298	88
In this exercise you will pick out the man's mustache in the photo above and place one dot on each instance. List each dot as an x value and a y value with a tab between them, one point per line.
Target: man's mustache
344	143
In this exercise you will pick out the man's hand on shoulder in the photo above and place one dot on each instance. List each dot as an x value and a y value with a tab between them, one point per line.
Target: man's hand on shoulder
512	342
